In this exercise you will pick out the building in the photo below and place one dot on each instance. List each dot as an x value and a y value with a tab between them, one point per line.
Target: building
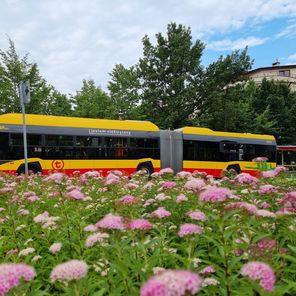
286	73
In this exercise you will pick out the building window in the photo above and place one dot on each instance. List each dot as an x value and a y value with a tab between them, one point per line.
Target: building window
285	73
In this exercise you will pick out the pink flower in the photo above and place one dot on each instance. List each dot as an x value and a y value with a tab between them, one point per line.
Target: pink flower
94	238
41	218
131	186
260	159
111	221
160	213
264	205
75	194
245	178
56	177
264	189
139	224
148	186
252	209
6	190
195	184
215	194
265	213
29	193
112	179
260	271
197	215
33	198
90	228
289	200
280	168
267	244
68	271
208	269
172	283
188	229
166	171
269	174
183	174
128	200
286	211
55	248
180	198
11	274
168	184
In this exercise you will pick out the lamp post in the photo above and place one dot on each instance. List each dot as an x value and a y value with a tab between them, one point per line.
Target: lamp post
24	91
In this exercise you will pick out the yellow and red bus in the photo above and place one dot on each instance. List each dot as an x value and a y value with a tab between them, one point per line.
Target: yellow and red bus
69	144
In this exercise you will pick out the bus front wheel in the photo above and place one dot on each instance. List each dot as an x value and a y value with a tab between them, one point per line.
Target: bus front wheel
34	168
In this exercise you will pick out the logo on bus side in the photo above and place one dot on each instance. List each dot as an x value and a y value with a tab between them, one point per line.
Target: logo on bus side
57	164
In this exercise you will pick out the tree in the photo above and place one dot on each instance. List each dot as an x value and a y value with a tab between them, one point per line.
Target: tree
279	103
92	102
14	69
228	109
170	76
124	93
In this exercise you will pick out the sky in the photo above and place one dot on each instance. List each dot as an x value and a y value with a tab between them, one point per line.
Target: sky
72	40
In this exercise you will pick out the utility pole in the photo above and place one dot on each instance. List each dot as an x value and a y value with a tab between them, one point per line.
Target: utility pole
24	90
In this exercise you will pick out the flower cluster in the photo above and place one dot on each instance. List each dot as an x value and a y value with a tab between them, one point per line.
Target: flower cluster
11	274
172	282
188	229
69	271
260	271
215	194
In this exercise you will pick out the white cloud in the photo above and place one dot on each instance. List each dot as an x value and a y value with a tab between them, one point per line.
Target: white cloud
289	31
292	58
71	40
227	44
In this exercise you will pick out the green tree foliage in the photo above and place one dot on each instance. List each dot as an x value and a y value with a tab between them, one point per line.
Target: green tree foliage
44	98
124	93
92	102
170	76
277	104
228	110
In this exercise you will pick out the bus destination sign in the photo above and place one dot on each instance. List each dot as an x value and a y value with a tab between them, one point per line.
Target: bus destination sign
108	132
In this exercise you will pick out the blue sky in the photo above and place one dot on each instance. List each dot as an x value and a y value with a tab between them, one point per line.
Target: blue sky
72	40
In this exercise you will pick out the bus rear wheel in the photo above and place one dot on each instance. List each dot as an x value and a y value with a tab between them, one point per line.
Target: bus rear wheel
146	168
235	168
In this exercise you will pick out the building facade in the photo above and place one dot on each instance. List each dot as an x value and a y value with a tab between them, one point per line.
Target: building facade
286	73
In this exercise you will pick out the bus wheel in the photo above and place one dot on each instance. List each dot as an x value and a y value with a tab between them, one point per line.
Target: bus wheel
146	168
235	168
34	168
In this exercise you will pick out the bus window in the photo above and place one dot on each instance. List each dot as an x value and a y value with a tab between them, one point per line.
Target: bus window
115	147
3	146
229	151
201	150
59	140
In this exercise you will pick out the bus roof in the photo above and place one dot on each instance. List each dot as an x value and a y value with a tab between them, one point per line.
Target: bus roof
77	122
209	132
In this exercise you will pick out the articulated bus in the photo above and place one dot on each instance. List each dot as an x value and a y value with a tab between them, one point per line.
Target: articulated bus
68	144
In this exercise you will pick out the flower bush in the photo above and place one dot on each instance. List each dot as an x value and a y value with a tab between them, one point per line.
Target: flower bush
188	234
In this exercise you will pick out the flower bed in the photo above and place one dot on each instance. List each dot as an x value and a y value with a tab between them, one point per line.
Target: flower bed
187	234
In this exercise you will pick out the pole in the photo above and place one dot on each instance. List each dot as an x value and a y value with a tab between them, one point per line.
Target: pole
25	139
